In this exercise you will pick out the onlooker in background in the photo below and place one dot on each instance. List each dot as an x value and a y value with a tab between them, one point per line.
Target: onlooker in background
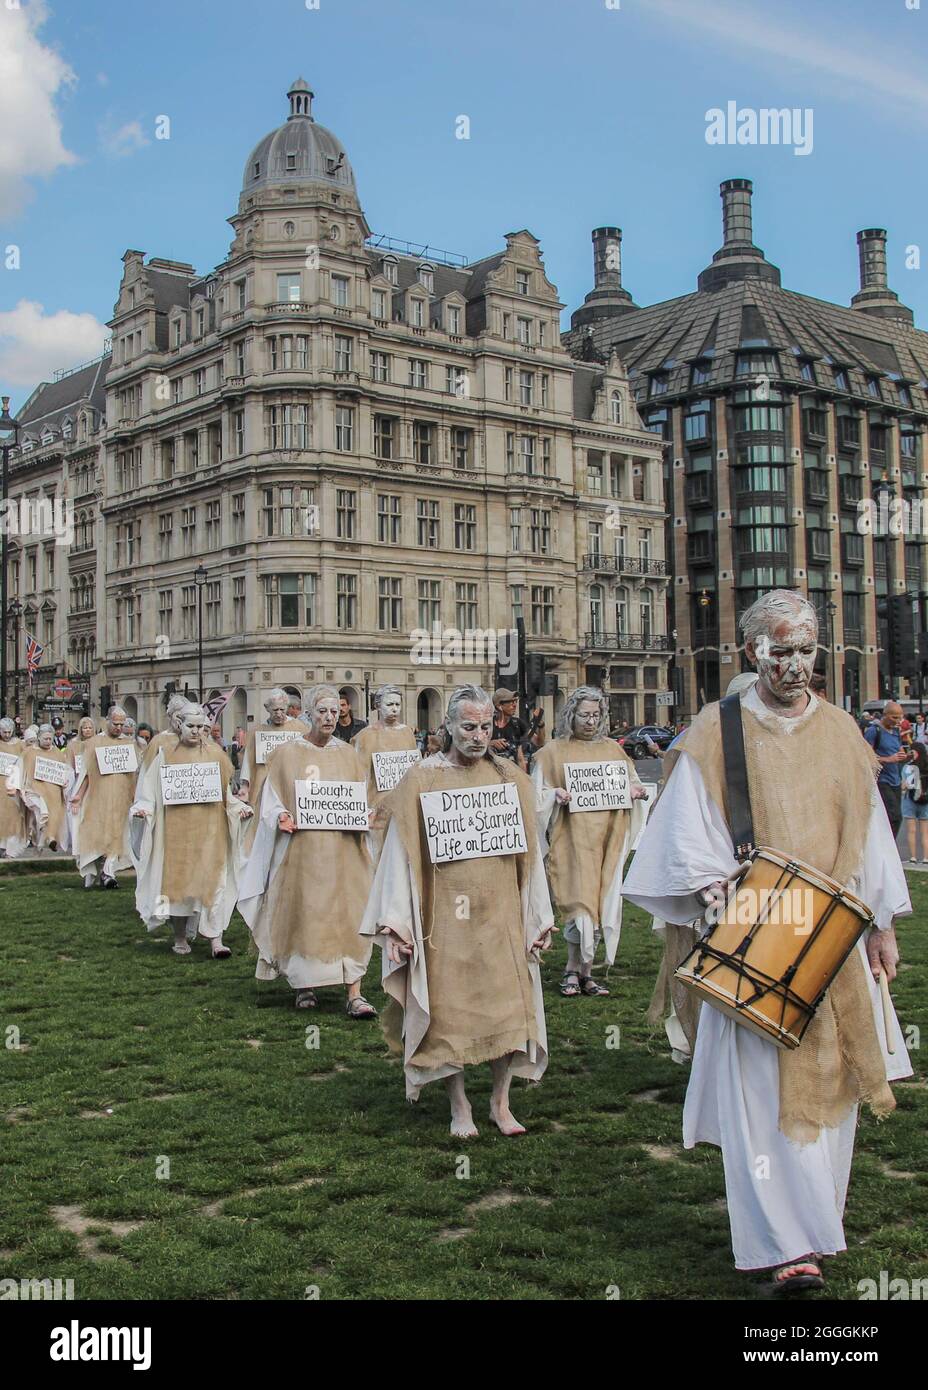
921	729
508	728
347	725
883	737
216	735
294	709
144	735
819	685
59	738
915	803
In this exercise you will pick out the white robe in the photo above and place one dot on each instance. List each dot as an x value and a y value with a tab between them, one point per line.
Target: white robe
785	1200
36	817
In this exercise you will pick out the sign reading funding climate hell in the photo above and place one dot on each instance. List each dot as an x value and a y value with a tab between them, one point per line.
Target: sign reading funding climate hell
389	768
473	823
51	770
8	761
601	786
266	740
116	757
331	805
190	784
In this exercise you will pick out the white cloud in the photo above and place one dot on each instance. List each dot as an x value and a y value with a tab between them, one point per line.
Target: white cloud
852	59
125	140
31	76
34	345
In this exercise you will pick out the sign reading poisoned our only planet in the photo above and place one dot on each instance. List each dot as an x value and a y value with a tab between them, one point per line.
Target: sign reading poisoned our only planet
116	757
390	767
331	805
473	823
190	784
603	786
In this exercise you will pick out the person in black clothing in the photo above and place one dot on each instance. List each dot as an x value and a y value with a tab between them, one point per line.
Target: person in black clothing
347	725
508	728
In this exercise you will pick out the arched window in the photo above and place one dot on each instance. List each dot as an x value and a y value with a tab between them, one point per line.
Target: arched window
616	408
621	611
646	612
390	270
596	607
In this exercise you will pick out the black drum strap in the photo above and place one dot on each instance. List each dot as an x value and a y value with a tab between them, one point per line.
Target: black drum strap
736	776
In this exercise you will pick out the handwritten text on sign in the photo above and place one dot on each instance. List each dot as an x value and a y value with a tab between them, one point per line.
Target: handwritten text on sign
50	770
390	767
266	740
473	823
190	784
601	786
8	761
116	757
329	805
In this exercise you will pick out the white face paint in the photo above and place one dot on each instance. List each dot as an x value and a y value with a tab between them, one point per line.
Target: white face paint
784	659
390	709
277	711
192	729
586	719
471	731
46	738
324	717
115	725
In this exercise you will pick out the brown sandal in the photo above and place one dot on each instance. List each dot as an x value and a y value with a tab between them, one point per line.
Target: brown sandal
360	1008
591	987
305	999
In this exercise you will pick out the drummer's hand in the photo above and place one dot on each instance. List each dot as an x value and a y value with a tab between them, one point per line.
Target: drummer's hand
286	822
561	796
883	953
398	952
714	897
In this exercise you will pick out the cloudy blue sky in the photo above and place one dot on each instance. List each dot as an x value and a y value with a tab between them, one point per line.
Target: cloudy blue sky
582	113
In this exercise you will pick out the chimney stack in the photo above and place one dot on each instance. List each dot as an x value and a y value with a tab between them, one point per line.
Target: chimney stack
874	296
737	225
738	258
607	258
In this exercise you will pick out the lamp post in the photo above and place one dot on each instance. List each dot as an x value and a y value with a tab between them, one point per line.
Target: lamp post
13	614
704	602
9	437
200	576
832	610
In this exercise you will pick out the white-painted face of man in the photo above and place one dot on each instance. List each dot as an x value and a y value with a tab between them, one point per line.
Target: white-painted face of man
324	717
784	658
46	738
471	730
277	711
391	707
115	724
193	728
586	719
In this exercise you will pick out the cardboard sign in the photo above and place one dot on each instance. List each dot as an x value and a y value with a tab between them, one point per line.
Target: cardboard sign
266	740
331	805
473	823
8	763
389	768
604	786
117	757
50	770
190	784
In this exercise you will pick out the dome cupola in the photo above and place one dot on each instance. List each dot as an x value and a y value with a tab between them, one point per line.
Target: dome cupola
299	152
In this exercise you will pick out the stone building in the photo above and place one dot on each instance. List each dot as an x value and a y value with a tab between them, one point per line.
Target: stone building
780	414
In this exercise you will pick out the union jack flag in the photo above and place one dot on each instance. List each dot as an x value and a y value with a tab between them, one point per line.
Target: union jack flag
34	651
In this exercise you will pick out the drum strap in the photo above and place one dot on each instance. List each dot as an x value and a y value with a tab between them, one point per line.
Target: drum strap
736	776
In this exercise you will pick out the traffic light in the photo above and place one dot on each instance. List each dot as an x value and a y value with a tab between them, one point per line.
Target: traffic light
539	675
106	698
900	643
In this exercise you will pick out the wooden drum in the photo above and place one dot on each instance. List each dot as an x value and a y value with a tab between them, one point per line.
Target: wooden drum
783	935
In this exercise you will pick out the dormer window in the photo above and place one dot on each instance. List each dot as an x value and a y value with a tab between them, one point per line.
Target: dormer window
291	161
199	321
427	278
175	332
454	319
873	386
616	408
523	282
390	271
257	169
67	429
417	312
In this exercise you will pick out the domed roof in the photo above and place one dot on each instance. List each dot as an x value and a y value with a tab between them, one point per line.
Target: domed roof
298	152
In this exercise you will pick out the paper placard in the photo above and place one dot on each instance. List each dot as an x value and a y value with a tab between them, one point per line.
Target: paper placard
80	767
473	823
331	805
50	770
266	740
8	762
117	757
603	786
389	768
190	784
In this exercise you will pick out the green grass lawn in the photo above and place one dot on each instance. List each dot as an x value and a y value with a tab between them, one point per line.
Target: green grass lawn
166	1133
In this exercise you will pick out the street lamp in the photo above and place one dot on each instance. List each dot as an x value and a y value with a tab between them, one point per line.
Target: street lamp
200	576
9	437
13	614
832	610
704	602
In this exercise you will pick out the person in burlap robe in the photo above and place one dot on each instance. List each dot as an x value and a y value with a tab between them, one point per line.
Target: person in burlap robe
254	769
175	708
44	802
460	939
187	856
12	814
586	850
304	891
813	795
100	806
385	735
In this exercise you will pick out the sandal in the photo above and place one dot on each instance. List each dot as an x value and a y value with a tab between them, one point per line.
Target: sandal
360	1008
797	1275
305	999
570	991
591	987
181	948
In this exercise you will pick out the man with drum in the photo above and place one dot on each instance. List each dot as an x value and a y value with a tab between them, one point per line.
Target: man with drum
783	1117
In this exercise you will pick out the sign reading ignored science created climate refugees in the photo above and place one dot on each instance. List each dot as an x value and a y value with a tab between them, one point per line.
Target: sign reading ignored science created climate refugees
51	770
266	740
389	768
473	823
603	786
116	757
331	805
190	784
8	763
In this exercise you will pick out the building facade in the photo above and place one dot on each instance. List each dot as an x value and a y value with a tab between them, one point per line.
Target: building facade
782	417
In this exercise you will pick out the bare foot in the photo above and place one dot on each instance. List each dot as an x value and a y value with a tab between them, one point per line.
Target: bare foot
181	948
504	1119
462	1124
220	949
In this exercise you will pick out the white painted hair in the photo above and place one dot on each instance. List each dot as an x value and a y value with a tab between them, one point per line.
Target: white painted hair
175	703
31	735
315	693
191	707
278	693
764	614
564	727
45	729
114	710
7	726
382	692
462	695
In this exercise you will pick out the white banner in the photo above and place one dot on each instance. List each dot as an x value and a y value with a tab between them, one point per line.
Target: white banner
473	823
50	770
389	768
8	761
603	786
117	757
331	805
266	740
188	784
